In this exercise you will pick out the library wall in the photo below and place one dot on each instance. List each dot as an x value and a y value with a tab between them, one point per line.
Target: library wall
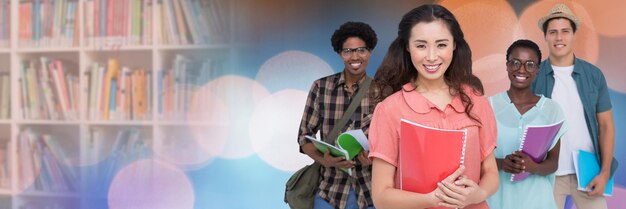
102	102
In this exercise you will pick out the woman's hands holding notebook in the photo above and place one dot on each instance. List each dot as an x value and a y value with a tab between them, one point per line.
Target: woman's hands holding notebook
460	193
513	163
527	163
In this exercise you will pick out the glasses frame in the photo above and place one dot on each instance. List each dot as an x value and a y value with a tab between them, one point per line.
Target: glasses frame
525	64
360	51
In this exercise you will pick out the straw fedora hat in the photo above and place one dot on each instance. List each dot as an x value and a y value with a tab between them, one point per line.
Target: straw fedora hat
559	10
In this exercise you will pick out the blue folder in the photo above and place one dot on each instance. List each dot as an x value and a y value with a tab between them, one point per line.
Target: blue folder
587	167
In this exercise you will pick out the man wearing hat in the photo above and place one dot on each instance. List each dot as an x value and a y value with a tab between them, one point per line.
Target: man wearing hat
581	89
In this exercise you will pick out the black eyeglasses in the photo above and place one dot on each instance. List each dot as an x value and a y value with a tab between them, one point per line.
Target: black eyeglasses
515	65
360	51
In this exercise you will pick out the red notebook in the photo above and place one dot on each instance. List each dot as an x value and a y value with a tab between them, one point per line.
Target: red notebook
428	155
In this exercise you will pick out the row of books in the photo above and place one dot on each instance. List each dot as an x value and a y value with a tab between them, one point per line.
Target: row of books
129	146
130	22
114	92
119	93
118	22
55	23
182	95
192	21
46	23
5	95
42	164
5	20
47	91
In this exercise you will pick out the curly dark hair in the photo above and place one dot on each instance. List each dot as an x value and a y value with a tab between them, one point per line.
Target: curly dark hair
354	29
524	43
397	68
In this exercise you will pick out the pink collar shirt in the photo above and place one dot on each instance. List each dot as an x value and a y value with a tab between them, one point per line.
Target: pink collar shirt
408	104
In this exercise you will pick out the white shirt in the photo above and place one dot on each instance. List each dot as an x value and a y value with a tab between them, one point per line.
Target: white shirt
577	137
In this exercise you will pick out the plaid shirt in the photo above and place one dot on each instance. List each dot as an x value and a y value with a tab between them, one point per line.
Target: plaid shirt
325	105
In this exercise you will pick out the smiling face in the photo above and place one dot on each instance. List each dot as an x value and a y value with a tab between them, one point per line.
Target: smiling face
560	38
521	71
355	62
431	46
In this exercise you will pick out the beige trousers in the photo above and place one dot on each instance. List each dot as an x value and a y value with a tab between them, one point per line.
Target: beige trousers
568	185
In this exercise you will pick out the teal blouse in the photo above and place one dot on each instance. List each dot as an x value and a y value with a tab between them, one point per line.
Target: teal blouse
536	191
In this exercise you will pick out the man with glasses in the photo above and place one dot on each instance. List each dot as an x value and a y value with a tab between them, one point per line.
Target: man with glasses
327	101
581	89
515	110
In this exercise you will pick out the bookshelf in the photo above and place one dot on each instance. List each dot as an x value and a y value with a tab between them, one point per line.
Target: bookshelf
62	134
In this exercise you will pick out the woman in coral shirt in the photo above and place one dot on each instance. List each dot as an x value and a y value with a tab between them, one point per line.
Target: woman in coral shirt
426	78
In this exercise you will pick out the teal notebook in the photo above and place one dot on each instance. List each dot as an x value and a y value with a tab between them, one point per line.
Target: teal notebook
587	167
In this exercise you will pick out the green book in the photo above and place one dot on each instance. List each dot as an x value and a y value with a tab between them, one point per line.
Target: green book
349	144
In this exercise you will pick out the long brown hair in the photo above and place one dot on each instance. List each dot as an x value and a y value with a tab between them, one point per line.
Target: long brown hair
397	68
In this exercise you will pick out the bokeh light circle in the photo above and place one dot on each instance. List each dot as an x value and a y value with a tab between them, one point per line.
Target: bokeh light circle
492	73
486	24
274	129
294	69
151	184
240	95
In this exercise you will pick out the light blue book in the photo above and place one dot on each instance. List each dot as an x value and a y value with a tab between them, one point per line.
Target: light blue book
587	167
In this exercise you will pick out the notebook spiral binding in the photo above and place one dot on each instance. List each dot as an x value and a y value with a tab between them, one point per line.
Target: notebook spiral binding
521	145
464	144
